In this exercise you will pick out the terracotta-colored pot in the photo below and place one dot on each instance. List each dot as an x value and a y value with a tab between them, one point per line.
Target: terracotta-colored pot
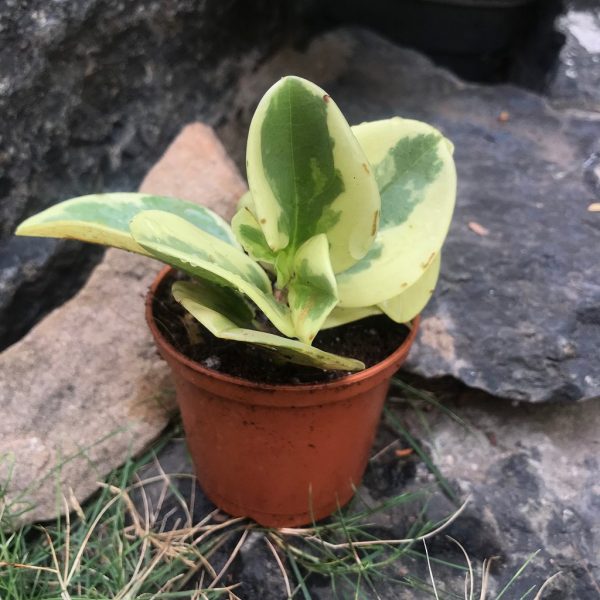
280	454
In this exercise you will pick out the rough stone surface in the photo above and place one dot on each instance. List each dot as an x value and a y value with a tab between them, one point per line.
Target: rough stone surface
516	312
86	387
576	83
36	275
91	92
531	473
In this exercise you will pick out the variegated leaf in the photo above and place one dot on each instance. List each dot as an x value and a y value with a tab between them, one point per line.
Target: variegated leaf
308	175
402	308
312	292
248	232
104	219
342	316
184	246
407	305
224	300
207	309
415	172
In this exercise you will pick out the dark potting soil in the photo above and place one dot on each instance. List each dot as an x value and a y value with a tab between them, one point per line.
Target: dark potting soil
370	340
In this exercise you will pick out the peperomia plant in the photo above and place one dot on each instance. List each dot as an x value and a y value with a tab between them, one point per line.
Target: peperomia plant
339	223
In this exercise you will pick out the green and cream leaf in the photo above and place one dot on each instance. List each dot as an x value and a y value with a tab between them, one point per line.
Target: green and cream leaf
225	300
206	309
402	308
308	175
104	219
312	292
415	172
407	305
342	316
184	246
247	230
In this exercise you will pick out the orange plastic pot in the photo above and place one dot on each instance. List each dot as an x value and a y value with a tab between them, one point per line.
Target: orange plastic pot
282	455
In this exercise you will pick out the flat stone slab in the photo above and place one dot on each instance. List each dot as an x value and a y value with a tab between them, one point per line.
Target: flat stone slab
517	309
532	474
86	387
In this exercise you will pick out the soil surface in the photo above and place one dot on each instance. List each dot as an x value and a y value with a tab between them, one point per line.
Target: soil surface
370	340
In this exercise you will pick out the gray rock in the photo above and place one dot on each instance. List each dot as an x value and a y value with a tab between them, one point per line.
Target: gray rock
36	275
516	312
532	473
576	83
91	92
86	387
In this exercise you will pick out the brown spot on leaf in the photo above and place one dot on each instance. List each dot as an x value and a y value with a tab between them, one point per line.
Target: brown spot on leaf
404	284
366	168
375	223
263	221
428	261
327	97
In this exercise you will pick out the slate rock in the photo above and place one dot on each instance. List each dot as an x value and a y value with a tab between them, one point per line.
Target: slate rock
532	474
91	92
576	83
36	275
516	310
85	388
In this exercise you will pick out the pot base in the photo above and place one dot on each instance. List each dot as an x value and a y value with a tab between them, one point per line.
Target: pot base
267	519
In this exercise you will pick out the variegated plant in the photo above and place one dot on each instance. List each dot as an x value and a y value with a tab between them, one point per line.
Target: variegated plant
340	223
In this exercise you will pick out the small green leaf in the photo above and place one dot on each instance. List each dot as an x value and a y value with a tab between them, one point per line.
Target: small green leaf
206	308
312	292
104	219
415	172
308	175
182	245
248	232
225	300
407	305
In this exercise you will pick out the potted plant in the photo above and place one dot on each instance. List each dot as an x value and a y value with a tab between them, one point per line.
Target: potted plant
283	329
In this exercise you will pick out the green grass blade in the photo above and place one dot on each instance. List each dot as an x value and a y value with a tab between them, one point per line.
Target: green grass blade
430	399
441	480
517	575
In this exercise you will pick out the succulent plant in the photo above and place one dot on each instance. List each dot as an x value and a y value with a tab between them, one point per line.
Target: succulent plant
339	223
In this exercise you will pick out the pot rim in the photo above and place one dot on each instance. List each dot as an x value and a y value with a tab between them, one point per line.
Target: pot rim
344	381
